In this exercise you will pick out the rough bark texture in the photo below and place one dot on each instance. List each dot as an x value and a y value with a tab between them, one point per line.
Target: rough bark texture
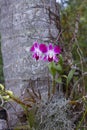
3	125
22	23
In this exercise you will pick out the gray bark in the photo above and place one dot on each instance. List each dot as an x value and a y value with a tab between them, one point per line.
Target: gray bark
3	125
22	23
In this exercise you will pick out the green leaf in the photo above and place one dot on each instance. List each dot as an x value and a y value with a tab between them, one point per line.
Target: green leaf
1	87
60	60
52	68
59	68
59	80
31	116
6	97
64	76
70	76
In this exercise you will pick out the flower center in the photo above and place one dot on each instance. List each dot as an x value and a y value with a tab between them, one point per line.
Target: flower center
50	59
37	57
38	51
51	53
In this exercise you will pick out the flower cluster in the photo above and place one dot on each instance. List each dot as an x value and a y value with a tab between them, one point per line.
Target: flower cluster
44	52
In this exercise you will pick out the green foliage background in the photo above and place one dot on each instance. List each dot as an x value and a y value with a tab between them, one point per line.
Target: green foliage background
69	15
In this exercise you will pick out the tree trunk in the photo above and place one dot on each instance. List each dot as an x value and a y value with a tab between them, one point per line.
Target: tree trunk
22	23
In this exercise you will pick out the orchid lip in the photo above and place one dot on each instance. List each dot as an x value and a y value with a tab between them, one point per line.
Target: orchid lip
50	59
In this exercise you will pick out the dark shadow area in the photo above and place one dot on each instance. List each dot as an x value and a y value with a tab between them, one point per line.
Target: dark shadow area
1	65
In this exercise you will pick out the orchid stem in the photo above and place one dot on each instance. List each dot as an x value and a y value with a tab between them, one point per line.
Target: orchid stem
53	86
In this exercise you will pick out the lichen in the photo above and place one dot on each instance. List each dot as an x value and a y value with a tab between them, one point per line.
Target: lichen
53	116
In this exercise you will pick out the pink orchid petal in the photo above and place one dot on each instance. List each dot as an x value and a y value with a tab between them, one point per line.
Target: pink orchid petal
36	44
57	50
50	46
45	58
43	48
55	59
32	48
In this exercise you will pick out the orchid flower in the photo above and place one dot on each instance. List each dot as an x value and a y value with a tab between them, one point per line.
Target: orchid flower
52	52
43	52
38	50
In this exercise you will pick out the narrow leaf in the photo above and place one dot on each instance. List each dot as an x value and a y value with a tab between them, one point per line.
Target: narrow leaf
60	59
52	69
70	76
